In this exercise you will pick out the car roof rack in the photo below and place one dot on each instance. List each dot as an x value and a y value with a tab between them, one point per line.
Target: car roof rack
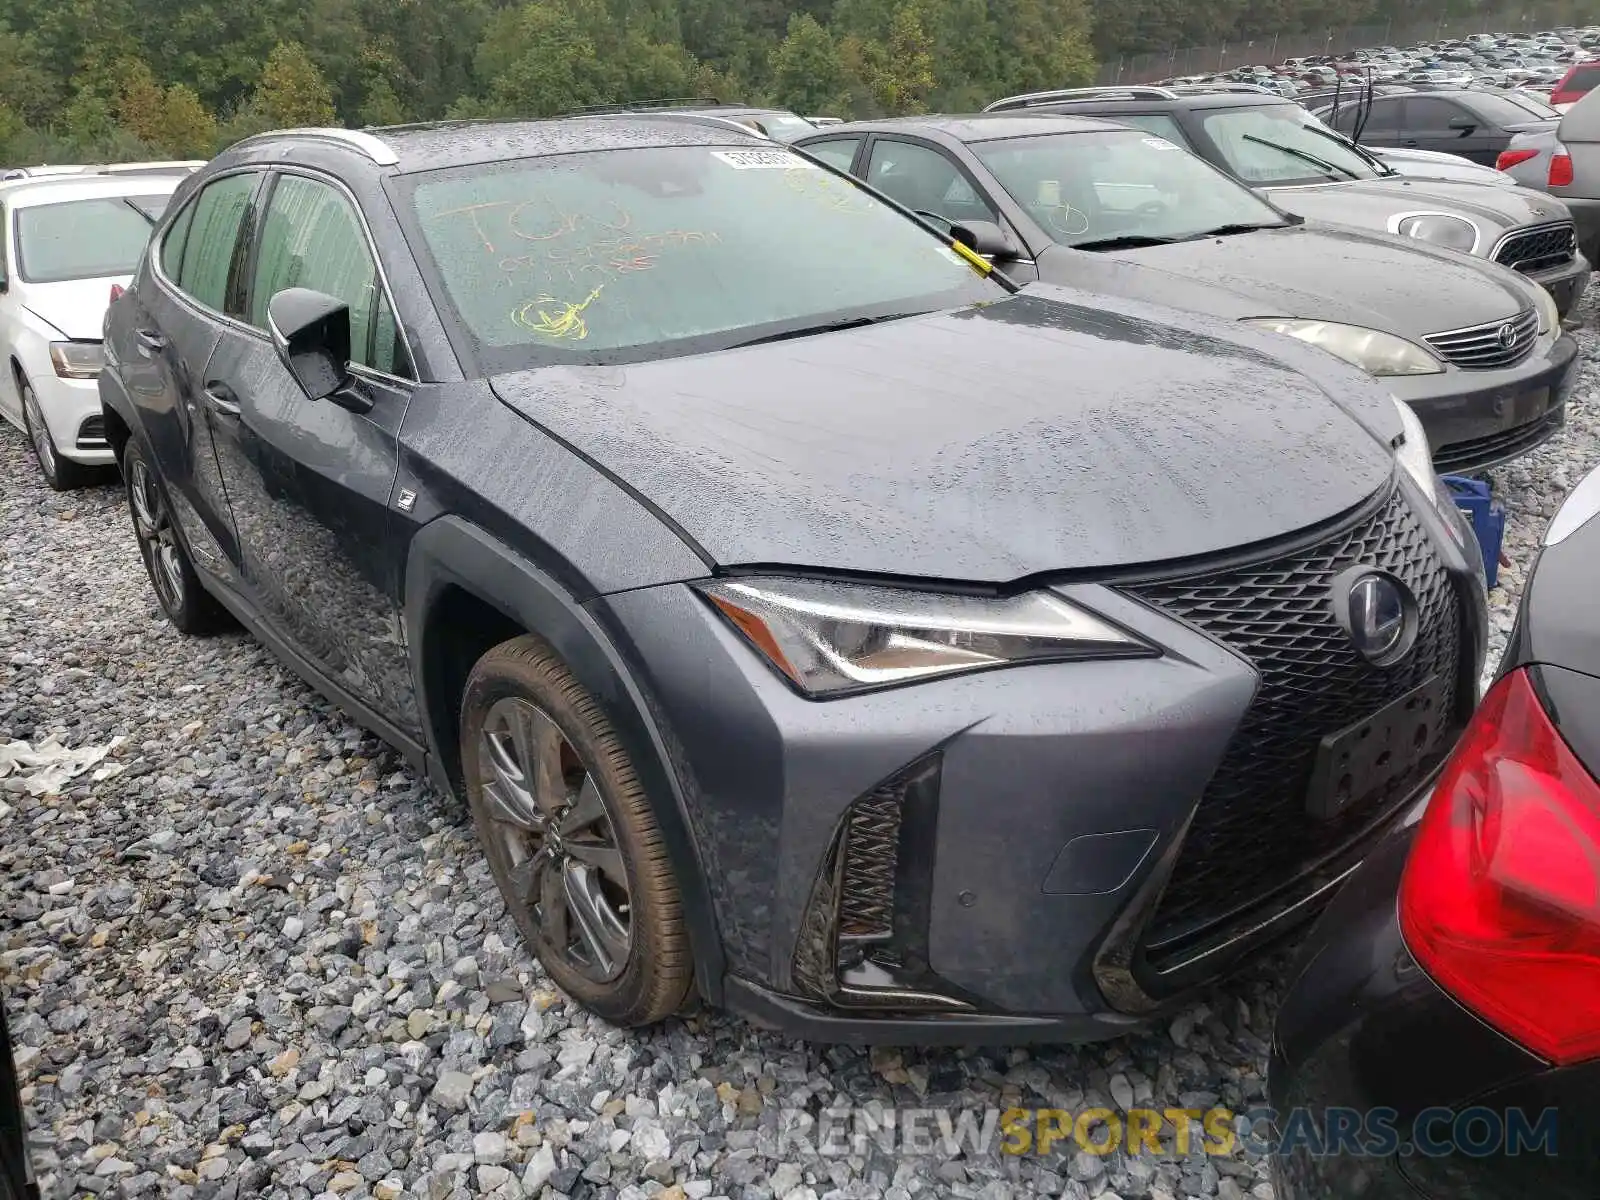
1200	89
593	110
375	148
1139	91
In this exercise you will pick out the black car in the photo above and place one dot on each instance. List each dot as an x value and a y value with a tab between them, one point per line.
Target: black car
1448	1012
1301	165
1473	123
1117	210
806	617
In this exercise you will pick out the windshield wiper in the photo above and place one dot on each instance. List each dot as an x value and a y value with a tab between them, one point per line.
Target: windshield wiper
1323	165
1239	227
1372	160
1126	241
148	216
827	327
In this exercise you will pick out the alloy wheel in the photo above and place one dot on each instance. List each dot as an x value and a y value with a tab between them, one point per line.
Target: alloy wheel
157	539
557	841
39	432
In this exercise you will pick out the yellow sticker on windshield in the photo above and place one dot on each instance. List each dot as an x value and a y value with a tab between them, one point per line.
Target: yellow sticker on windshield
979	264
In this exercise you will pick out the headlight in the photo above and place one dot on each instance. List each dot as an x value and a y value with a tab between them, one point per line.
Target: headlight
1549	314
829	638
1442	229
1374	351
77	360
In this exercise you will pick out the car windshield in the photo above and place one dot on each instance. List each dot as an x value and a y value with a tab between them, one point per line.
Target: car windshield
781	127
1278	144
1087	188
84	239
629	255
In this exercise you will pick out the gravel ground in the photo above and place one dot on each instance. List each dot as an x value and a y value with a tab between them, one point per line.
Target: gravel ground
260	957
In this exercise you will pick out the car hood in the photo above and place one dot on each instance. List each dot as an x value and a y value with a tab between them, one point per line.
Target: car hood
1371	203
1047	431
1434	164
1315	271
76	307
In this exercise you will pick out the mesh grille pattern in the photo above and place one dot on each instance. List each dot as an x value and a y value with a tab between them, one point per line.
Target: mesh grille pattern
871	850
1491	346
1538	249
1251	833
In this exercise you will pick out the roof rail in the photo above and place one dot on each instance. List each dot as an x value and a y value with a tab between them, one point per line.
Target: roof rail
1132	92
1199	89
374	148
590	110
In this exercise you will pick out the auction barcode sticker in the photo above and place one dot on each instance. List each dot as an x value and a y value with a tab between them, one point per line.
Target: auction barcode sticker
747	160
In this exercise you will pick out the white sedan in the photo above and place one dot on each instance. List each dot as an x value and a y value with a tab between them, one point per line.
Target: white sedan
65	240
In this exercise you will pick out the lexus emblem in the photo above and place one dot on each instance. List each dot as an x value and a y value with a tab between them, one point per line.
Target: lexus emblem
1508	334
1377	612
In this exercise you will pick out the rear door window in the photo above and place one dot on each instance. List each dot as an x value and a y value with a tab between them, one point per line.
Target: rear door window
213	238
840	152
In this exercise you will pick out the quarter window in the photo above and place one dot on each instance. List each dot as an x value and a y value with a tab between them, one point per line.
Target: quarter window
212	235
312	238
172	245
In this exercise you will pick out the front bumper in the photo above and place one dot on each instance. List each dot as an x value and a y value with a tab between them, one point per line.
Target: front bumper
980	859
72	413
1566	284
1476	419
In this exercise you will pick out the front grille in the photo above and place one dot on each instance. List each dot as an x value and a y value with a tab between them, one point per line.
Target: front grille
1540	248
1497	447
871	849
1251	834
1488	347
92	433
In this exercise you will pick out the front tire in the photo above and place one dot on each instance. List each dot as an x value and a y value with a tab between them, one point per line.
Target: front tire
62	474
182	596
570	837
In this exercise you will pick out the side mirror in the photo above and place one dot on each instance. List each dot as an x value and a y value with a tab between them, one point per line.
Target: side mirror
986	238
311	332
1464	124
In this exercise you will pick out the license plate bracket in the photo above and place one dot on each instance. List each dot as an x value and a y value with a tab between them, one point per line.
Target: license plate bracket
1361	760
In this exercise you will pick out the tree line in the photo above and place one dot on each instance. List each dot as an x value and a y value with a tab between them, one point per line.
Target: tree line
129	79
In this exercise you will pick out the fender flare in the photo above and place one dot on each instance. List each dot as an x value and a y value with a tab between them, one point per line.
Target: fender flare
451	552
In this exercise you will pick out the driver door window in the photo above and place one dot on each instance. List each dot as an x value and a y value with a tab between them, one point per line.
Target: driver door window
926	181
312	238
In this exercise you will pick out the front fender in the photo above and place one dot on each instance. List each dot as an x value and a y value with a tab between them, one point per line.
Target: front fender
451	553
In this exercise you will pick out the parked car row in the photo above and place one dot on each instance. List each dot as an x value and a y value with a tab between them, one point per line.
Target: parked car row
1043	533
1503	60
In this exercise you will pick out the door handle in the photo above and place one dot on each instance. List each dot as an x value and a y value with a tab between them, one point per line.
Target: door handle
150	342
221	399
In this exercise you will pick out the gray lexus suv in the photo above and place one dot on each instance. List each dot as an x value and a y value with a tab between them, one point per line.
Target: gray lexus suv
807	617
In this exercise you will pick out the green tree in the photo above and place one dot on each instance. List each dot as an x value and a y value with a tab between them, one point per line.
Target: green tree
807	72
188	130
292	91
904	76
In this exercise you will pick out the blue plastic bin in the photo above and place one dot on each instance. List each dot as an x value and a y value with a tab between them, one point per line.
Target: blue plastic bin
1488	516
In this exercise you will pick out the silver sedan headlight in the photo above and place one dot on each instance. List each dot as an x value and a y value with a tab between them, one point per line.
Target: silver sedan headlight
830	638
1374	351
1549	314
1441	229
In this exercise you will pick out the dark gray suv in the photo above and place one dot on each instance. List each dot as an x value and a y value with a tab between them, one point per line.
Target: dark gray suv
806	617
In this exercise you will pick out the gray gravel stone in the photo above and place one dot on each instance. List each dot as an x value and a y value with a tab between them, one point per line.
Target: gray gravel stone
259	930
